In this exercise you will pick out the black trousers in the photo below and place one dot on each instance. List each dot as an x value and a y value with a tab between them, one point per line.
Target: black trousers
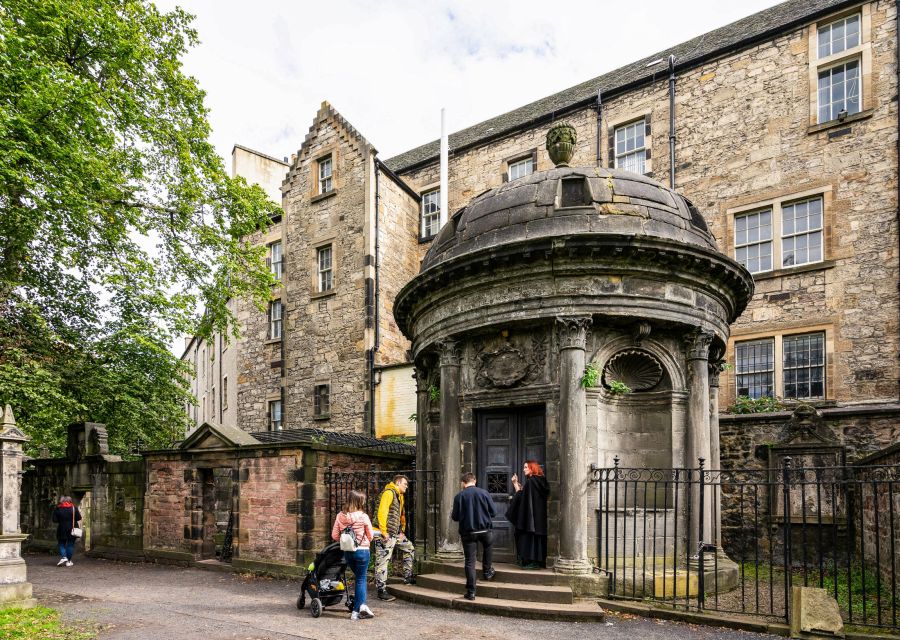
470	548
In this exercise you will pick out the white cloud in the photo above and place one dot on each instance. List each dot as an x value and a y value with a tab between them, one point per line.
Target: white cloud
388	67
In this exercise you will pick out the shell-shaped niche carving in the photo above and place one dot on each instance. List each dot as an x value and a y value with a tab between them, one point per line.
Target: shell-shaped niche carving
638	369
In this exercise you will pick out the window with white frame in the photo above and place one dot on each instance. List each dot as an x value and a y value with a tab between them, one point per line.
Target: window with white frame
631	153
431	213
753	240
325	177
276	419
323	262
755	368
804	365
276	261
520	168
838	76
321	400
276	311
787	233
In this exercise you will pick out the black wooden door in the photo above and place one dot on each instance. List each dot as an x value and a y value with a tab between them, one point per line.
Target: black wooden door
506	438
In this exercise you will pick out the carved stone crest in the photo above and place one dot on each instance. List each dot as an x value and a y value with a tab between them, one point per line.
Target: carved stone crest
509	365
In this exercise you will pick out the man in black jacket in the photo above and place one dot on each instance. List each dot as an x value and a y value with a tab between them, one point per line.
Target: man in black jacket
473	509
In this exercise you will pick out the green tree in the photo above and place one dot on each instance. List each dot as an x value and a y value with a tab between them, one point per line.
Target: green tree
118	220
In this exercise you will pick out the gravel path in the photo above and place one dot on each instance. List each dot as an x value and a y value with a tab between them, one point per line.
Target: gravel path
128	601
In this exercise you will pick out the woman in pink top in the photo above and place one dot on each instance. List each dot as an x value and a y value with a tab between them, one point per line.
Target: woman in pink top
355	517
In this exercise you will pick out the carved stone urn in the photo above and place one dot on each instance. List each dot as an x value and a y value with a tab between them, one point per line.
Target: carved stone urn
561	139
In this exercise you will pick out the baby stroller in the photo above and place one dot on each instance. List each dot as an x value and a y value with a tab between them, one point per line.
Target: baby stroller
325	581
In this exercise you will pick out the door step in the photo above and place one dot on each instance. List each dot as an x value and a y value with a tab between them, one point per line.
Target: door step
582	610
497	589
505	573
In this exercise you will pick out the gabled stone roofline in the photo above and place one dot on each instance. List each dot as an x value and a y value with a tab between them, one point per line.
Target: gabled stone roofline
737	36
327	113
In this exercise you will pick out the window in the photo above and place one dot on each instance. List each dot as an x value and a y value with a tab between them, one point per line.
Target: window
804	366
755	368
321	402
801	232
838	36
631	154
275	415
839	91
224	393
842	55
521	168
323	259
789	232
275	319
212	404
325	177
431	213
275	259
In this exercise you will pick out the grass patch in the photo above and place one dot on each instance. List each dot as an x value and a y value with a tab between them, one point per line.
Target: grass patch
39	623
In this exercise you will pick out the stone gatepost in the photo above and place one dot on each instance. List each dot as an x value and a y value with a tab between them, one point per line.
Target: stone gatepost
15	591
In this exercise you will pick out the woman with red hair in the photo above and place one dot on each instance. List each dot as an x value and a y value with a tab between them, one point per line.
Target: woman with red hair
528	514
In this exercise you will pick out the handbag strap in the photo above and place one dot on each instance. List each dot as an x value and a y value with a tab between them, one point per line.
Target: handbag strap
73	516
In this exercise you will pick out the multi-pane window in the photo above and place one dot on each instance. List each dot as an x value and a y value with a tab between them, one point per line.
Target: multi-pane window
753	240
275	415
804	366
431	213
838	36
755	368
275	319
521	168
323	262
631	153
224	393
839	90
325	177
276	260
801	232
321	401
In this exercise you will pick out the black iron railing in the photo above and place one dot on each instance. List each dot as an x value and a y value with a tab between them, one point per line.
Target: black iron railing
737	541
421	502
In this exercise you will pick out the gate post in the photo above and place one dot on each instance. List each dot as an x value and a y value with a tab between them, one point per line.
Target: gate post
701	572
786	520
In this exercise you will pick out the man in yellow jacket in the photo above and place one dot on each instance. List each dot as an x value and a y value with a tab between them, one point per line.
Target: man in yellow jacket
391	522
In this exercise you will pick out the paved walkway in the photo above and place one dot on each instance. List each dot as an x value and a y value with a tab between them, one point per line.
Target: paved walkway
129	601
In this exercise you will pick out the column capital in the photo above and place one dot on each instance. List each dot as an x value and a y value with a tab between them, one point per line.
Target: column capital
715	368
573	332
420	375
449	351
696	344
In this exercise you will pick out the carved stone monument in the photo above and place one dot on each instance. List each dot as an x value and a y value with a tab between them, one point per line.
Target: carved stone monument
15	591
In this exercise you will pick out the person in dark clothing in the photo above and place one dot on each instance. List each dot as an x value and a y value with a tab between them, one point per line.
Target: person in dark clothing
66	516
473	509
528	514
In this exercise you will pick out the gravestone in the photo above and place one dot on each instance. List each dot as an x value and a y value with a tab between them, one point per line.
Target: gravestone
15	590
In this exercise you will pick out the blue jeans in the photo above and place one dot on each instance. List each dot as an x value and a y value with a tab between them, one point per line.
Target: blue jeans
358	561
67	549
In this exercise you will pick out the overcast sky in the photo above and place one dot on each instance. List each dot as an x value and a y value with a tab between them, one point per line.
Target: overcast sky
389	66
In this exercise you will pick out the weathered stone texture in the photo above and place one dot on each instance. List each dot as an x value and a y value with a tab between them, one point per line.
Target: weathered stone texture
268	531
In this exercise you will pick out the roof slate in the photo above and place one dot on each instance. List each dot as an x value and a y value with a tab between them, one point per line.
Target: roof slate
744	32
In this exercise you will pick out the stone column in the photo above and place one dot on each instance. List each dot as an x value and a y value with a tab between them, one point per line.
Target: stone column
450	454
715	462
15	591
698	435
573	469
422	461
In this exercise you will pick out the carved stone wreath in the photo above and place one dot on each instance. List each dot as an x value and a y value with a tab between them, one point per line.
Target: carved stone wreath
509	365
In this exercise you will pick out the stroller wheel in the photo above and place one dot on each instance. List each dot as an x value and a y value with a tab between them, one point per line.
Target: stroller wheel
315	608
301	601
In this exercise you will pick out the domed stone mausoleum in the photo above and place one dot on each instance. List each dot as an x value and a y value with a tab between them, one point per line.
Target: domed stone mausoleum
529	290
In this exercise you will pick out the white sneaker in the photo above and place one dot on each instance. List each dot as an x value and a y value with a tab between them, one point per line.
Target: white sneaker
61	562
354	615
69	563
365	612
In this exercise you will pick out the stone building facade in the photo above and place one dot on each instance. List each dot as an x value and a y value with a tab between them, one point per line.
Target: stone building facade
785	134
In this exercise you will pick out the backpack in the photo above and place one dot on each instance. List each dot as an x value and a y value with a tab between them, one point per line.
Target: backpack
348	538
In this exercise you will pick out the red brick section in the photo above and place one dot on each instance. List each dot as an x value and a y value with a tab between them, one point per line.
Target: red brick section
166	520
268	532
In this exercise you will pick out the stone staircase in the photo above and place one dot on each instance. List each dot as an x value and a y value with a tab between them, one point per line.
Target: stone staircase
537	594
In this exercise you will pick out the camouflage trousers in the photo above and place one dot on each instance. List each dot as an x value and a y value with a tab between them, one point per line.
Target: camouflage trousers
384	549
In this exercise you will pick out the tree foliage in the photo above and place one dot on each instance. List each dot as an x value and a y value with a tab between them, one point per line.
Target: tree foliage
118	220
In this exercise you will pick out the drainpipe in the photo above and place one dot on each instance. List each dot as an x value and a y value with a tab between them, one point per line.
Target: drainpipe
672	121
376	297
600	119
897	36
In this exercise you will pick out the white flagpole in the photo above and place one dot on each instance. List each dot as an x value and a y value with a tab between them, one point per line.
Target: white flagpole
445	147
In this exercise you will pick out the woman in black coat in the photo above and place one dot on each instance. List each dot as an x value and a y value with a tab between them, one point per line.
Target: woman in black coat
528	514
67	517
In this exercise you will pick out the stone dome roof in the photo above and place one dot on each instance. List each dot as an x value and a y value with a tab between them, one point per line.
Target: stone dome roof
570	201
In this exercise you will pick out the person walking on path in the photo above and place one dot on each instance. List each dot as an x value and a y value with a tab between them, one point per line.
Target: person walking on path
473	509
528	514
391	521
66	515
354	516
